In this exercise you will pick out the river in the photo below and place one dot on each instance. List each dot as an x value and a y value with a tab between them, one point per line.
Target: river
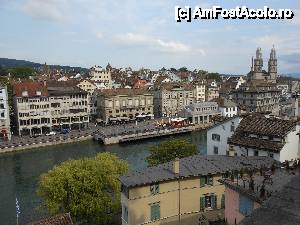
19	172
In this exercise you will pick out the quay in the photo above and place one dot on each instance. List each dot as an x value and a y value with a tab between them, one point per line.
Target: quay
129	136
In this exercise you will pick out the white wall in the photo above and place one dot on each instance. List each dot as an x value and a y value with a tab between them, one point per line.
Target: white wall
290	151
231	112
224	130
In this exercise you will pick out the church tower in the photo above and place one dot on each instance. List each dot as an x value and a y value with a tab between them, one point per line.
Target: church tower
272	65
258	65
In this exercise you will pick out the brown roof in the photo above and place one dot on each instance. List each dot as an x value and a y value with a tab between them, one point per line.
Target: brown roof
32	87
123	91
258	86
261	126
171	86
61	219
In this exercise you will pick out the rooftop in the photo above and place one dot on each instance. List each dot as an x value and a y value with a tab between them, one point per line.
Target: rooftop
282	207
193	166
32	87
62	219
123	91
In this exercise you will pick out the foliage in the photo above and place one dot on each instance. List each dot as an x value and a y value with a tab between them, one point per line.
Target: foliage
167	151
21	72
87	188
214	76
183	69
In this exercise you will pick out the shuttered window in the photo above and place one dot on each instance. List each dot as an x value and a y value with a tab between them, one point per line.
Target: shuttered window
223	202
206	180
154	189
155	211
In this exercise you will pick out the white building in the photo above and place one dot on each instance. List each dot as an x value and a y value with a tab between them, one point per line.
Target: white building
5	133
217	136
101	76
260	136
200	91
227	107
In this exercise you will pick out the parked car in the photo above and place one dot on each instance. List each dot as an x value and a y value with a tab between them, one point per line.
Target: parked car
51	133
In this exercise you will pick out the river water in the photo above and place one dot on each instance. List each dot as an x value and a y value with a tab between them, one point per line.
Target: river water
19	172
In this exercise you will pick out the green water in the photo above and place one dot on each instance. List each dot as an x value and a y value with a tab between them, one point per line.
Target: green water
19	172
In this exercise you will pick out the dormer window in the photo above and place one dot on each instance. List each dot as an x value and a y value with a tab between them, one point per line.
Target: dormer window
24	93
38	93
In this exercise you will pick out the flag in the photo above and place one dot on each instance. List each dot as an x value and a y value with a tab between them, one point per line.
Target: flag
17	208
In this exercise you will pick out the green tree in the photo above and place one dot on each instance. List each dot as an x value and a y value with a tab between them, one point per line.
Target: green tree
87	188
183	69
167	151
22	72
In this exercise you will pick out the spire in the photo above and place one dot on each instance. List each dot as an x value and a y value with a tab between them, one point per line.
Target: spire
273	53
252	64
258	53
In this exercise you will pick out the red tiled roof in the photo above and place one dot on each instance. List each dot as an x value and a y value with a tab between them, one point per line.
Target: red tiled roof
32	87
61	219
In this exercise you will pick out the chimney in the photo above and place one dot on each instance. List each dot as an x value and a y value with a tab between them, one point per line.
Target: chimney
176	166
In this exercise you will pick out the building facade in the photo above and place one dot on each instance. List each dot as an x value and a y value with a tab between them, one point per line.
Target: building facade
200	113
200	92
257	96
101	77
257	135
217	136
5	133
170	99
185	191
123	102
41	108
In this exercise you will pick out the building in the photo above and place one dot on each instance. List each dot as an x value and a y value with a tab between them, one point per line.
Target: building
32	107
140	83
247	195
282	207
257	135
217	136
124	102
257	72
257	96
212	90
41	107
200	92
200	113
5	133
101	77
170	99
69	106
184	191
87	86
226	106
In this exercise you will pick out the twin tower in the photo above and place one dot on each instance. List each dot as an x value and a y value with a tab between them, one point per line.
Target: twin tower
257	72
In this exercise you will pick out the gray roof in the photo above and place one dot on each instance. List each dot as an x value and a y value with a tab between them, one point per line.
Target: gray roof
194	166
282	208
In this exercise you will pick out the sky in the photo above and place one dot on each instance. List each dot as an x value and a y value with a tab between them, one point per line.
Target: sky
144	33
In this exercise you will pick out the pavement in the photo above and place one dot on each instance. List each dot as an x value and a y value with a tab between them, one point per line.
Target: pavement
107	131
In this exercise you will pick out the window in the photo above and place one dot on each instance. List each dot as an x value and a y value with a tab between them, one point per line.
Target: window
271	155
125	214
155	211
216	150
154	189
245	205
206	180
223	201
208	201
215	137
255	153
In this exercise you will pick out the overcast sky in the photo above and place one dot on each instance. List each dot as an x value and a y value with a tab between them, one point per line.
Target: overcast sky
143	33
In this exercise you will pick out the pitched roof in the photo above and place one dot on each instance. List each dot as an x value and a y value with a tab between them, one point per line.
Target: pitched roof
282	208
193	166
61	219
260	125
32	87
258	86
223	102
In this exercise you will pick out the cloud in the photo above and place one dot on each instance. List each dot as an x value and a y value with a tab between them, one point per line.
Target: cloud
291	58
53	10
99	35
138	40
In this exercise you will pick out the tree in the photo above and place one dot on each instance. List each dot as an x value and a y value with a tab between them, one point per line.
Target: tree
167	151
183	69
22	72
87	188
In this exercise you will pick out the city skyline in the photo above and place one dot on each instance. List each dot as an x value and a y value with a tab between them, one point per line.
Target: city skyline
144	34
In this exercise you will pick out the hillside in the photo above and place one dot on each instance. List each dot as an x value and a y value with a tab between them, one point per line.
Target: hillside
13	63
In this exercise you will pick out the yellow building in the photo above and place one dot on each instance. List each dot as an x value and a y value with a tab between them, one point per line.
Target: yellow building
183	192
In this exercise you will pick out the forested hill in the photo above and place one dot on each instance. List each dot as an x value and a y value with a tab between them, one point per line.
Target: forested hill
14	63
